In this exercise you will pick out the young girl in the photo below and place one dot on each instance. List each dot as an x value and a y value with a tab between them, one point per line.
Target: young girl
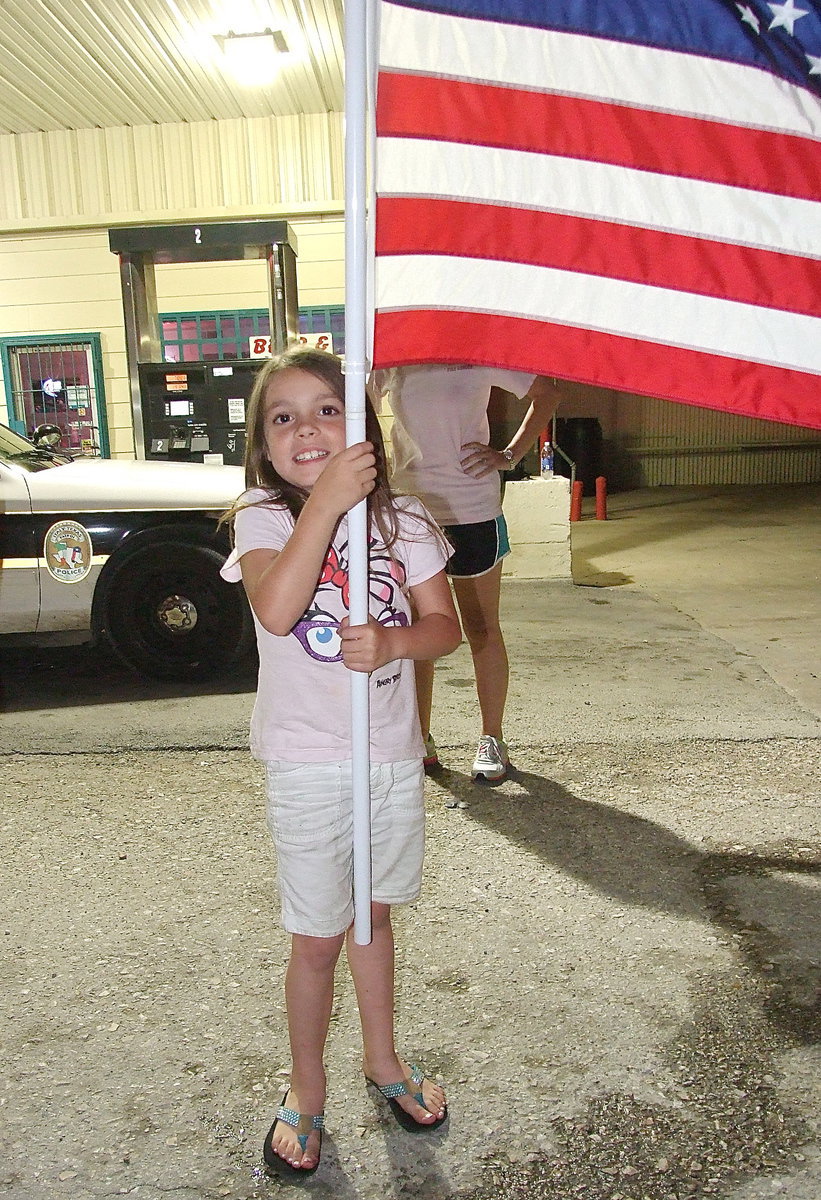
291	554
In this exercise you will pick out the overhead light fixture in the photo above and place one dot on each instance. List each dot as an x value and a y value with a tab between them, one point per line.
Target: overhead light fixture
254	58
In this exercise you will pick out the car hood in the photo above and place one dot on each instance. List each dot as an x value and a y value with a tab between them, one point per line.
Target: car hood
102	484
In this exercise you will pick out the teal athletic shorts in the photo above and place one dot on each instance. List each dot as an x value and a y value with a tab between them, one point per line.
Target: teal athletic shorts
476	547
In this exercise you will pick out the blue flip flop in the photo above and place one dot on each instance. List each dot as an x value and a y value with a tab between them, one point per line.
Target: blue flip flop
391	1090
304	1125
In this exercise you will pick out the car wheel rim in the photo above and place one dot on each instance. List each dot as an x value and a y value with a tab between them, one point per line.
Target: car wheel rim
177	615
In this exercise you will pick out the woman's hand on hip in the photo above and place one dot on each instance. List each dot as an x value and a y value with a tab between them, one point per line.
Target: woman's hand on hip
479	460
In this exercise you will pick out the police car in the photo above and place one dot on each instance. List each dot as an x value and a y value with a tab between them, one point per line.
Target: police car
122	551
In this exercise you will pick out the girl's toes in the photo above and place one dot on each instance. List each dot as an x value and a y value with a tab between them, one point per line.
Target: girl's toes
435	1100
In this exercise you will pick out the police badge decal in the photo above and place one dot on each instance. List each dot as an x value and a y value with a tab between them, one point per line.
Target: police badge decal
67	552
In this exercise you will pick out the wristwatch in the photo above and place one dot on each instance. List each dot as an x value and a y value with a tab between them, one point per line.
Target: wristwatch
508	454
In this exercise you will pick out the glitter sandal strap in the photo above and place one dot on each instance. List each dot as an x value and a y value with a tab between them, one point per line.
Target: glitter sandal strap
304	1125
391	1090
301	1122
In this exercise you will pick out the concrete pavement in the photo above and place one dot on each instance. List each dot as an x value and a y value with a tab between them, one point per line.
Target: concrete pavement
615	962
744	562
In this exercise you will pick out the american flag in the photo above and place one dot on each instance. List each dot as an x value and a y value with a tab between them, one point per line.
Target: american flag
625	194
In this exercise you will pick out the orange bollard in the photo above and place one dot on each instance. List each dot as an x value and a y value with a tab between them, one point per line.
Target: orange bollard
601	498
576	501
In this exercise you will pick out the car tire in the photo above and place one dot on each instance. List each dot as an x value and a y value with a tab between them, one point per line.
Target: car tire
168	614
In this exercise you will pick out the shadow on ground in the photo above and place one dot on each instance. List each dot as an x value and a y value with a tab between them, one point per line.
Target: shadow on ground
72	676
731	1123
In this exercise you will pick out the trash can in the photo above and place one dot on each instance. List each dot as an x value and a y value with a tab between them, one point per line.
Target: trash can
581	440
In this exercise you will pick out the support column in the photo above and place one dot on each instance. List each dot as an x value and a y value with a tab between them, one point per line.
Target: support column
142	329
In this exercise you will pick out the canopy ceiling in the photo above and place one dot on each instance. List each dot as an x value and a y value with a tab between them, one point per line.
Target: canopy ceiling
79	64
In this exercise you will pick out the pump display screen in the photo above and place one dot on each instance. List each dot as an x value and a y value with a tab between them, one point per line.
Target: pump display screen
179	408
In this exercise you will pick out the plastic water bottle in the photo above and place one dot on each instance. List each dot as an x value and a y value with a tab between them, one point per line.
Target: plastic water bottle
547	461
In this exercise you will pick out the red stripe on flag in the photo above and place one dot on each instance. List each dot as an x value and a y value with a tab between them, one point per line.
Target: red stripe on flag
452	110
569	243
604	360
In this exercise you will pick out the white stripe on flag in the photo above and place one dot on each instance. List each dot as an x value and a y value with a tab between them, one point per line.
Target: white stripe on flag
596	68
600	191
682	319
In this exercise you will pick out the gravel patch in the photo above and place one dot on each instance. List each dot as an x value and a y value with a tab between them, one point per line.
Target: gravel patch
614	967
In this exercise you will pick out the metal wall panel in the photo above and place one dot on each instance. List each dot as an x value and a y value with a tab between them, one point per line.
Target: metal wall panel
121	167
34	175
265	189
289	158
117	174
149	181
657	442
11	195
92	172
320	158
207	166
178	166
235	163
62	155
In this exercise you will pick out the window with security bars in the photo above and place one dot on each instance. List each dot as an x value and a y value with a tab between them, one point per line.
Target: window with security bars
50	382
196	337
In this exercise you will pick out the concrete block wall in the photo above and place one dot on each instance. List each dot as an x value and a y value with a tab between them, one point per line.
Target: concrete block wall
537	512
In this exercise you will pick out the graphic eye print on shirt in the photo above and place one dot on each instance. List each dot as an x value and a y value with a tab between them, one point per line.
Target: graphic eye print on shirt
318	631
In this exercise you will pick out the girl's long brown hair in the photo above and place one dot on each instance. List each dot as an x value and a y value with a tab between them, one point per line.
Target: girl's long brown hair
259	470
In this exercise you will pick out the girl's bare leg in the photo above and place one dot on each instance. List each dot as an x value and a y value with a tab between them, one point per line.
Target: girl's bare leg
309	988
478	602
372	968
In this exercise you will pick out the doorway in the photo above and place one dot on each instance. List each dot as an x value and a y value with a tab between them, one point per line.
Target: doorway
58	382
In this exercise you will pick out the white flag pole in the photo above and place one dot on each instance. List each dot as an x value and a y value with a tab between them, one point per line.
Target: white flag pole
356	372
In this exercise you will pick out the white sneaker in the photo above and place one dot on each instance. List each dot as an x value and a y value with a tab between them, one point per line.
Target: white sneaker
491	761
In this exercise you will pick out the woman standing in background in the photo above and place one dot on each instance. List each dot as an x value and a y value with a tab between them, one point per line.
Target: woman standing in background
442	455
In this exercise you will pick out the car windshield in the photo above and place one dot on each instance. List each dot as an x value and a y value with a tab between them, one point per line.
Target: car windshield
23	453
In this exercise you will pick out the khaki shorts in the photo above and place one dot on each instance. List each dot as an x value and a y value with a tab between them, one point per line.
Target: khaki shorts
310	817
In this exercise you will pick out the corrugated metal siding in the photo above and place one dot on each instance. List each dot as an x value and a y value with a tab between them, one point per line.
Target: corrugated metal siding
92	171
658	442
205	167
11	200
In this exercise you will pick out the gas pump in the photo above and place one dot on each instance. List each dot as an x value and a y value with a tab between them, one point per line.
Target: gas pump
195	411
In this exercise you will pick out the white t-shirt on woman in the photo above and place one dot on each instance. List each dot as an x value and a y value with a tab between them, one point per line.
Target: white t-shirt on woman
437	410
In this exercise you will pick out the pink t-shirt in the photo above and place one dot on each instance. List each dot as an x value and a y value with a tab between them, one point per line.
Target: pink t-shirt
302	711
437	410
